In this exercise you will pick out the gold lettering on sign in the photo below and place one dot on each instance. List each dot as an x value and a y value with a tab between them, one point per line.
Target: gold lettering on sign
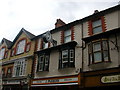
110	79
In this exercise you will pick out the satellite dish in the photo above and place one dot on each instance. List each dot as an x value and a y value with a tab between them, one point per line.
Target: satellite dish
47	37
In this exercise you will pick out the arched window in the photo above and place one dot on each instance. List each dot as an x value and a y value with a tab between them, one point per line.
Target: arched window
20	46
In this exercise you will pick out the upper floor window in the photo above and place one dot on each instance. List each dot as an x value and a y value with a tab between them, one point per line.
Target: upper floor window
67	58
45	45
9	72
19	68
20	47
43	62
67	36
3	72
97	26
98	51
2	53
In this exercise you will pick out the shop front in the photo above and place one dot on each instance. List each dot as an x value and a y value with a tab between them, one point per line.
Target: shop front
102	79
56	83
15	84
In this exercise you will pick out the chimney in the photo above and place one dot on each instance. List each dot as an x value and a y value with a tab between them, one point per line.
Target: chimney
59	23
96	11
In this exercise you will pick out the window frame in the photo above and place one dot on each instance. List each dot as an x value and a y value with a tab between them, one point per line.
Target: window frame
91	51
90	26
28	47
45	66
21	63
69	63
3	53
67	36
95	27
9	74
17	52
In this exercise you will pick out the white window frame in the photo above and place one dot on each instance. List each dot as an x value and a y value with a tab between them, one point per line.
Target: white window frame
96	26
67	36
70	58
45	45
21	63
21	47
43	64
2	53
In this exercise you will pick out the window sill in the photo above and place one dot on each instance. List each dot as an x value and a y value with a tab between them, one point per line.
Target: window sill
100	65
66	68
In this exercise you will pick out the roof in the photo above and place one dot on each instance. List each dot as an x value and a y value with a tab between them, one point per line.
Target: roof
29	35
69	25
7	42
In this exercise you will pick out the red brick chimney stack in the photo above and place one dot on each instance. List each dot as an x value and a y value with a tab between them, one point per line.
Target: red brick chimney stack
59	23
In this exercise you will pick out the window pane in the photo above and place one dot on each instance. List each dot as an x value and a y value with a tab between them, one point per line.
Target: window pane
67	33
45	45
67	36
71	55
67	39
20	47
97	57
105	45
97	30
96	23
96	46
2	52
105	55
65	54
90	57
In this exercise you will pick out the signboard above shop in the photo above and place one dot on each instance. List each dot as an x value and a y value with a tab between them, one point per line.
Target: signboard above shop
110	79
56	81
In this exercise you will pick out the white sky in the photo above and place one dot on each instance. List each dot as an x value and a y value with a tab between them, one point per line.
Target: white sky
38	16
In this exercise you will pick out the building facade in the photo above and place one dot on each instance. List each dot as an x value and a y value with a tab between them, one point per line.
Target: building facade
17	58
84	54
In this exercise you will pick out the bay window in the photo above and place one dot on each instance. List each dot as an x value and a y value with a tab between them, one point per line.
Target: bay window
98	51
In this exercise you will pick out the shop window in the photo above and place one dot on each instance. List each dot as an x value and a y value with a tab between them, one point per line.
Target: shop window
43	62
98	51
67	58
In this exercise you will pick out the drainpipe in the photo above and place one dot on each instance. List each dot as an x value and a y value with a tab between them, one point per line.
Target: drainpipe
82	48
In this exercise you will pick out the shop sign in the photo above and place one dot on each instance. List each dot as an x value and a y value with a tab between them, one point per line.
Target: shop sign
71	79
110	79
11	82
